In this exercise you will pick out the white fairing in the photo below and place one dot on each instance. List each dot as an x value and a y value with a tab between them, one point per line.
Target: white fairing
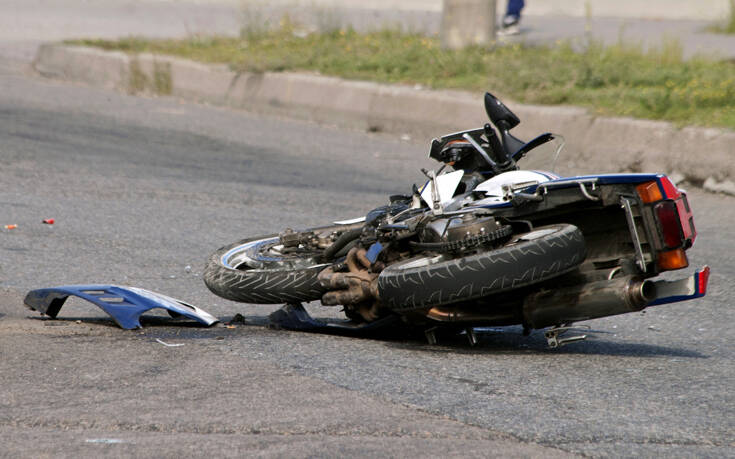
446	184
493	187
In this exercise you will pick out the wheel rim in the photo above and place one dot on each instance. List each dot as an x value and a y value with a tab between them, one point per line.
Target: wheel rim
265	254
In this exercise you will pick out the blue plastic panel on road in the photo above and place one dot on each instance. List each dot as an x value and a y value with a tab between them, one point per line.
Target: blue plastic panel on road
124	304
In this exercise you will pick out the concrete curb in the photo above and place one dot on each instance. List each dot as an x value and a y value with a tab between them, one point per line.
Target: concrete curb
594	144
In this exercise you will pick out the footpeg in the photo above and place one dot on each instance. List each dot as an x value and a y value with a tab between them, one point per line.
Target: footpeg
553	336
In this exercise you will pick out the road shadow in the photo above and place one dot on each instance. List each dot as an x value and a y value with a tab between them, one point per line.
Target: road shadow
505	340
495	340
146	321
513	342
501	341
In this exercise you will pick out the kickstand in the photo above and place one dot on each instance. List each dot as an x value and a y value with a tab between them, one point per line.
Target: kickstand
552	335
471	336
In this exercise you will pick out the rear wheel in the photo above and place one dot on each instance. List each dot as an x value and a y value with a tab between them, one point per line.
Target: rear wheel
529	258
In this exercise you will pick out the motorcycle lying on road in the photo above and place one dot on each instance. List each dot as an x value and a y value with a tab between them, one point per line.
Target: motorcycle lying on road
482	243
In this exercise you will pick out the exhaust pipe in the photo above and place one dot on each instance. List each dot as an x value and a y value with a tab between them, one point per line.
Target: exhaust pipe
459	315
589	301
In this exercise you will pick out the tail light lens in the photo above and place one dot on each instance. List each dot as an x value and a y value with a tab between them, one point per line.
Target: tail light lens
668	217
669	189
687	219
675	221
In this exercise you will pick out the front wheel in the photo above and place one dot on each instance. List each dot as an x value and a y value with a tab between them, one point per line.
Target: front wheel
426	281
259	270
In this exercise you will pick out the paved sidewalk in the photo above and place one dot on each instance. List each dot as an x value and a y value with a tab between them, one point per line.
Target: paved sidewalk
692	36
24	24
650	9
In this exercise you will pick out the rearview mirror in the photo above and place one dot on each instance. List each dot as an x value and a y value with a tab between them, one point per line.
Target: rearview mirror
499	114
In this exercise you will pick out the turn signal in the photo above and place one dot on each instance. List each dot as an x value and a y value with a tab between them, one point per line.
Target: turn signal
673	259
649	192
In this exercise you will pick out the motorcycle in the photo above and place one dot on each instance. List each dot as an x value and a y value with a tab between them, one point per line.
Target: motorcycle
481	244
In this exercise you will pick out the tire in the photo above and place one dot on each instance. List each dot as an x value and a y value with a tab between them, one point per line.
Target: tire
528	258
282	279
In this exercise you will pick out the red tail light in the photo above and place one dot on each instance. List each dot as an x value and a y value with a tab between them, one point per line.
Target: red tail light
675	221
670	190
668	217
687	219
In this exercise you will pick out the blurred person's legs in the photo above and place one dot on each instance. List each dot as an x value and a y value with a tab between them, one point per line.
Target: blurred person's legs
512	18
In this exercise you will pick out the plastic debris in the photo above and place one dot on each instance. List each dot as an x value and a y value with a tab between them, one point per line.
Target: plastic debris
48	221
167	344
11	227
124	304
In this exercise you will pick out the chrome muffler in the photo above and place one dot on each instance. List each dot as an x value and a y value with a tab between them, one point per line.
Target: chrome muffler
588	301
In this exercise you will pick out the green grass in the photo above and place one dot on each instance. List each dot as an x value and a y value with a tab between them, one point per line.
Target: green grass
614	80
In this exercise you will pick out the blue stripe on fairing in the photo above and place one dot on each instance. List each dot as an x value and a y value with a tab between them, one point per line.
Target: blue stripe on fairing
548	175
607	179
602	179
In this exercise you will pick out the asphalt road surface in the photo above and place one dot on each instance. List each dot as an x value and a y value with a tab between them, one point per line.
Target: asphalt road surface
140	189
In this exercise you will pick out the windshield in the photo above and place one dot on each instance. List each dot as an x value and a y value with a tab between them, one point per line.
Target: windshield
544	157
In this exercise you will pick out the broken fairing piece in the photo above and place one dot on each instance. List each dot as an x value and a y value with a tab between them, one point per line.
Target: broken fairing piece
444	188
124	304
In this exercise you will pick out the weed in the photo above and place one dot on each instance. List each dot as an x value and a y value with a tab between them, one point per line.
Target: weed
162	81
138	80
